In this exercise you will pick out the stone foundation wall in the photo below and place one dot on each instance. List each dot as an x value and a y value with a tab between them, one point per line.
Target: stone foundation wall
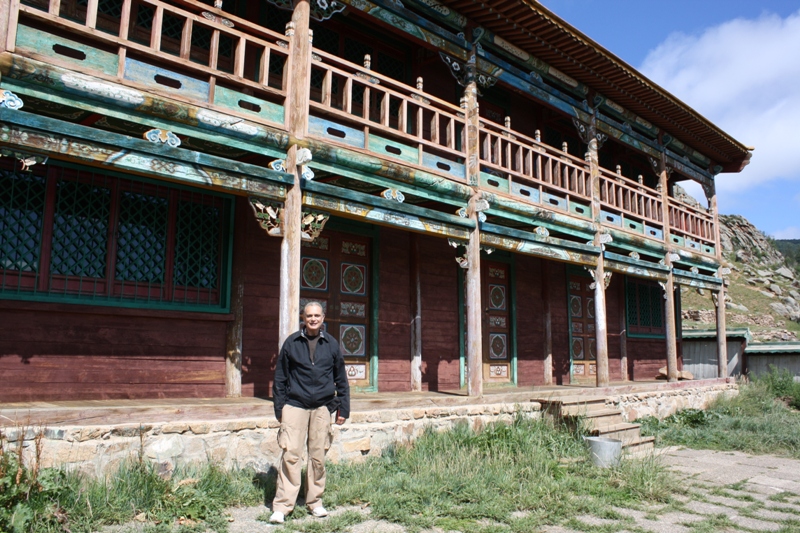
663	403
99	450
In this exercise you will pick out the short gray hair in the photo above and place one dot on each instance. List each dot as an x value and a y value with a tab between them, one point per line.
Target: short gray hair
313	303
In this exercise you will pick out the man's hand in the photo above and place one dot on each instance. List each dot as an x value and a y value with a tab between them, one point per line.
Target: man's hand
340	420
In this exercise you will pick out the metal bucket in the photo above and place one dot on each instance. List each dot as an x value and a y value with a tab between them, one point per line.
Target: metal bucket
605	452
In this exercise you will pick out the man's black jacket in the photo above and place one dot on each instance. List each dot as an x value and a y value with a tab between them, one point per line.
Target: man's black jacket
301	383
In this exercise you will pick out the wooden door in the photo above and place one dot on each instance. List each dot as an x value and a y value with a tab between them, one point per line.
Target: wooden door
583	343
335	271
496	323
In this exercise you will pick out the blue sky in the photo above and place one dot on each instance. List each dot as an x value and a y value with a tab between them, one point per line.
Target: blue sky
737	62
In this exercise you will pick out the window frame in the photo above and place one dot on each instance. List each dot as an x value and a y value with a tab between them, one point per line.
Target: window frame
108	290
637	330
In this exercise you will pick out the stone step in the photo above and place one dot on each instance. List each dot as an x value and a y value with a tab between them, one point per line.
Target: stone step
572	406
602	418
624	432
639	448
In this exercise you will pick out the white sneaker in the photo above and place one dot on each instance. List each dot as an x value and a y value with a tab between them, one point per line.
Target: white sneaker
319	512
277	518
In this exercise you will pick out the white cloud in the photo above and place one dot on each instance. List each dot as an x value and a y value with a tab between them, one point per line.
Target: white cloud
743	75
792	232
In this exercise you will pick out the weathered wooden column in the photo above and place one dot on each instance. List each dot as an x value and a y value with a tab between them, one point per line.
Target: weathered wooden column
416	316
623	342
9	17
548	324
296	115
233	341
669	286
474	306
719	301
601	277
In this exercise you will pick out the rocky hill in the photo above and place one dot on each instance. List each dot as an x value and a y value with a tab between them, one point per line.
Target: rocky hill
764	293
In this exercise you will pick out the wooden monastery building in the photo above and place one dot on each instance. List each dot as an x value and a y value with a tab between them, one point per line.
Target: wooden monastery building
477	193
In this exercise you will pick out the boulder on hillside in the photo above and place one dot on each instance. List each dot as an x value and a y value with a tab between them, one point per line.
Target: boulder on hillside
774	287
750	245
785	272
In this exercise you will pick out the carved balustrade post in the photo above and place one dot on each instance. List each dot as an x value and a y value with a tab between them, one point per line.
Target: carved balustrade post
296	116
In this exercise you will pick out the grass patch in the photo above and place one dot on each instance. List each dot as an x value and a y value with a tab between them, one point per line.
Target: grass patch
461	476
757	421
54	500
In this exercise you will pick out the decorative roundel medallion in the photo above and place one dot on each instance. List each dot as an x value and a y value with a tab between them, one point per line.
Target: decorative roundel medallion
353	279
593	349
577	349
575	306
590	307
497	296
351	339
314	274
497	345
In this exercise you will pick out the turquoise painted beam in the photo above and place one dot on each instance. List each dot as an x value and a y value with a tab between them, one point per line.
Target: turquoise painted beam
540	239
80	86
399	209
543	250
24	89
692	281
634	271
59	139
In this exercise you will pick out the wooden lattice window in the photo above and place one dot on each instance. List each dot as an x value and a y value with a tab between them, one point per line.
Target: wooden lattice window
86	236
644	307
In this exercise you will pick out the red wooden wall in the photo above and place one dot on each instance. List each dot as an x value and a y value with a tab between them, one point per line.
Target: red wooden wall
394	311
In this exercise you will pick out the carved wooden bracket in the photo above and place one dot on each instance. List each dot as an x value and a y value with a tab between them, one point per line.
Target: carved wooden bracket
587	132
394	194
312	225
10	100
320	9
269	215
606	277
162	136
27	160
464	73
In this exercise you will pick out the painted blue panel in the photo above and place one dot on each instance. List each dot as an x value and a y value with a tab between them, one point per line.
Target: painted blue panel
551	200
632	225
610	218
83	56
530	194
709	250
245	103
386	148
694	245
440	164
493	183
581	210
650	231
150	75
335	132
676	240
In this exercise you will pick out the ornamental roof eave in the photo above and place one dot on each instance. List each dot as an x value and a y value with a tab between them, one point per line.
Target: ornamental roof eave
530	26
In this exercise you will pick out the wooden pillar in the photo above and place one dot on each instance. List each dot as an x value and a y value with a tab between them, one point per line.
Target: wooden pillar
722	335
548	324
233	341
623	339
296	116
474	308
416	316
600	319
669	286
9	18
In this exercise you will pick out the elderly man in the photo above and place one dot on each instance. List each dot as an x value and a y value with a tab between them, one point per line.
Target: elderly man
310	386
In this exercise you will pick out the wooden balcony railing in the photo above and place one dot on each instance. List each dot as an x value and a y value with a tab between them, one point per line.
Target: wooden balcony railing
196	39
205	56
531	163
373	103
691	222
637	207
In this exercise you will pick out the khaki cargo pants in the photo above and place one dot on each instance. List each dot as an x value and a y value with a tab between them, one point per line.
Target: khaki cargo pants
297	426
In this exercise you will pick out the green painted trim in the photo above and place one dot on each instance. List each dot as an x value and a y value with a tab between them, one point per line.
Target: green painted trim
462	356
94	300
514	344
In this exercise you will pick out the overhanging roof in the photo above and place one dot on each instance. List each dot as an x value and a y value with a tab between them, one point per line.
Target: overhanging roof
530	26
